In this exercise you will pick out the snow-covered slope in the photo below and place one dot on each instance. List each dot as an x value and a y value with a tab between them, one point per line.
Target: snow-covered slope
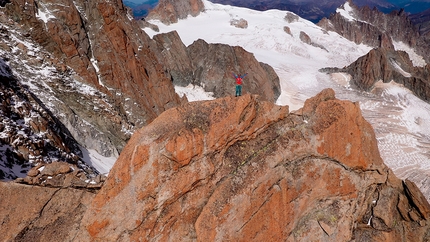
399	118
296	62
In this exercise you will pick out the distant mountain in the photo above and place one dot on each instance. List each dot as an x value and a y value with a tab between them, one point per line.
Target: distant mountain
422	21
309	9
141	9
312	10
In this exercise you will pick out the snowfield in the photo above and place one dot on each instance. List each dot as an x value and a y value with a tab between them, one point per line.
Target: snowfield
401	120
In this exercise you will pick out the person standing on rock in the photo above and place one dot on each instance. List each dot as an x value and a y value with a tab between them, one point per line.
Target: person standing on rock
239	79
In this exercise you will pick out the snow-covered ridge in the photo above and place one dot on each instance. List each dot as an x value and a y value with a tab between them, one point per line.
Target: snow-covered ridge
347	12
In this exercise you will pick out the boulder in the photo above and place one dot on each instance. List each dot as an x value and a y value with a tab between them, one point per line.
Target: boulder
239	23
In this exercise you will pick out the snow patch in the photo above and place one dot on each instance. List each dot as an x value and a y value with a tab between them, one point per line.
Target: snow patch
43	13
416	59
101	163
347	12
194	93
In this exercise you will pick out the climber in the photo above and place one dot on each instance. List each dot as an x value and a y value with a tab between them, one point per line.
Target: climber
239	83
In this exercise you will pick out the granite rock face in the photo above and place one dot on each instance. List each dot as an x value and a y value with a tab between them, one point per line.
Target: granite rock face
212	66
96	45
170	11
244	169
237	169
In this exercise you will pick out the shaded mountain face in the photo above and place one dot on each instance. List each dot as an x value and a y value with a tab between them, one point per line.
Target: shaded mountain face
30	134
234	169
90	64
310	9
422	21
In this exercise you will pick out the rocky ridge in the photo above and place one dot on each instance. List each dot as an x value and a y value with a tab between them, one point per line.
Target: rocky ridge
383	63
170	11
211	66
376	29
92	63
238	169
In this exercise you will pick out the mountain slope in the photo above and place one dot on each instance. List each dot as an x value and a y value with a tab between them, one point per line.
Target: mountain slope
91	66
398	117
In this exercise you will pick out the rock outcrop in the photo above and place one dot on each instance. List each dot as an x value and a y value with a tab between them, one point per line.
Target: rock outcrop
33	213
374	28
377	29
386	66
170	11
211	66
239	23
105	80
234	169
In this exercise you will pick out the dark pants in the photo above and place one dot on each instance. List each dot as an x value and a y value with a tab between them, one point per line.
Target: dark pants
238	90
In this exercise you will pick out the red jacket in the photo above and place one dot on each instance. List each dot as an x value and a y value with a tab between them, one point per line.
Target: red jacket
238	80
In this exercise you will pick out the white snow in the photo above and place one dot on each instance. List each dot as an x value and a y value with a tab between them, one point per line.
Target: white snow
295	62
416	59
194	93
346	12
43	13
399	118
101	163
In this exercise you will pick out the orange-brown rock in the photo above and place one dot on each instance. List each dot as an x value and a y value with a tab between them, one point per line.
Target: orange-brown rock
32	213
240	169
237	169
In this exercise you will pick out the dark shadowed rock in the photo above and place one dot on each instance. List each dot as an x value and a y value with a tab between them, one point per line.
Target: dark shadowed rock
288	30
305	38
291	17
215	63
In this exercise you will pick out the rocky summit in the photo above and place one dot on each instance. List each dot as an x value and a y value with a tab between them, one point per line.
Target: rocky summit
234	169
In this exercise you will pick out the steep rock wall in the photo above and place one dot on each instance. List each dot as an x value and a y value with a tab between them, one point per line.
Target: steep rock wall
96	43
